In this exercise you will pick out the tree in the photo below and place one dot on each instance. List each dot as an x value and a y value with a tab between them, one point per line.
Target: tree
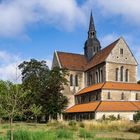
136	116
52	99
138	82
45	85
34	74
12	102
36	110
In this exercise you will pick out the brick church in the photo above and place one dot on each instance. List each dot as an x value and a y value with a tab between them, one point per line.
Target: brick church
102	82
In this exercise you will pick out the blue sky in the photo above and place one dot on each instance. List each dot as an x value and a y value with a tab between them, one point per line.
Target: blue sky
34	29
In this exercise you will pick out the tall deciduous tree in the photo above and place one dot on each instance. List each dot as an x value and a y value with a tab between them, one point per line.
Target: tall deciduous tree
12	102
52	99
34	74
46	86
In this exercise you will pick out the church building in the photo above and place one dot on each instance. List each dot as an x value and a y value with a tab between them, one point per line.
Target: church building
102	82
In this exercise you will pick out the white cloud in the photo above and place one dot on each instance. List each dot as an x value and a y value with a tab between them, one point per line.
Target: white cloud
8	67
128	9
17	15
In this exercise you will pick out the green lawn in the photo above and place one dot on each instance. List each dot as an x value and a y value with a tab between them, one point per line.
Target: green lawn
87	130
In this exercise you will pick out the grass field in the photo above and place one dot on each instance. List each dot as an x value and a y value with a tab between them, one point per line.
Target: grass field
86	130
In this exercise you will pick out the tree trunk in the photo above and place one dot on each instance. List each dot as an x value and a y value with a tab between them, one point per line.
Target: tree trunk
11	128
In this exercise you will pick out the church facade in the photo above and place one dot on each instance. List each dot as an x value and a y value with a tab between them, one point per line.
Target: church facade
102	82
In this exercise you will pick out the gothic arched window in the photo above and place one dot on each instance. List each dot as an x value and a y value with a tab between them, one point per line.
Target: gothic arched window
101	75
126	75
71	80
76	80
96	77
121	72
117	74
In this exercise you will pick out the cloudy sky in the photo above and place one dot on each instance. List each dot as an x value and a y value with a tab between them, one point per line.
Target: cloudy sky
35	28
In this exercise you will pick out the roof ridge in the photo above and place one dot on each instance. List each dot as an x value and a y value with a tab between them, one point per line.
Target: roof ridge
70	53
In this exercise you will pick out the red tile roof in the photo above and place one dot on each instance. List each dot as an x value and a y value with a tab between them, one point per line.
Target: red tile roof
111	86
73	61
117	106
89	107
105	106
91	88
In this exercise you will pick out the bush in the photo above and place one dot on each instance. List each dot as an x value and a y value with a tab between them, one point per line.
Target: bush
72	123
85	134
64	133
135	129
81	124
136	116
110	118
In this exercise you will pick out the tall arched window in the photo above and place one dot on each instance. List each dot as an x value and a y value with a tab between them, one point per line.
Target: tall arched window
117	74
126	75
108	95
122	96
76	80
101	75
71	80
121	72
91	80
137	96
96	77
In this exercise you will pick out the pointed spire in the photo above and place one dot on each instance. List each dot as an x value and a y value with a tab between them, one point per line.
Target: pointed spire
91	24
92	31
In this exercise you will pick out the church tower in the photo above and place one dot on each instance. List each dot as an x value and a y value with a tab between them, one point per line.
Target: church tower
92	44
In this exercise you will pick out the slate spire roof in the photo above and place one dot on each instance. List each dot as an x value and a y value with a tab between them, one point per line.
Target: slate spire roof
91	24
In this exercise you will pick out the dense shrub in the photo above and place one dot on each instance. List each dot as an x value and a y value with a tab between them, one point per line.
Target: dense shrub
110	118
72	123
85	134
64	133
135	129
81	124
136	116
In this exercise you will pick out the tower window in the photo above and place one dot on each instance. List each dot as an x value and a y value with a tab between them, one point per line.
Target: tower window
71	80
108	95
76	80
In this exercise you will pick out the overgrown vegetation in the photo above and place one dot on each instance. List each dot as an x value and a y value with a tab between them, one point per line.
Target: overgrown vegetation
92	130
39	95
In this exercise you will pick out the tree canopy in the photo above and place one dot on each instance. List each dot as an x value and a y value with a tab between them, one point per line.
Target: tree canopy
45	85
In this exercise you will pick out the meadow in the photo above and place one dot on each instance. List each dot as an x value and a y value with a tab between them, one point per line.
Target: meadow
86	130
